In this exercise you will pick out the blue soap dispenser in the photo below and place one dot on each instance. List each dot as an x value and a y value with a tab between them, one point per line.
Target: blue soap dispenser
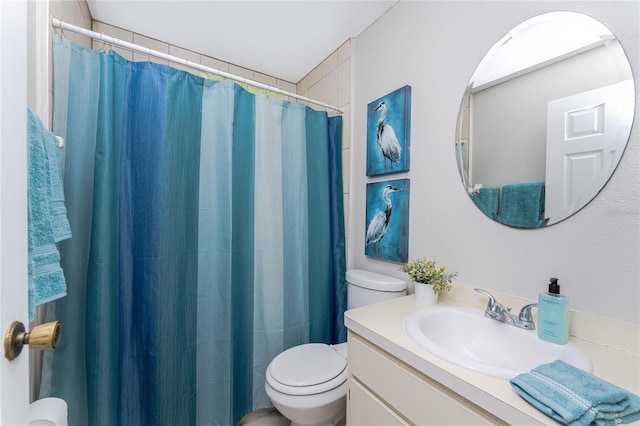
553	315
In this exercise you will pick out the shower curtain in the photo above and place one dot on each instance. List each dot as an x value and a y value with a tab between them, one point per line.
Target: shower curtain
208	237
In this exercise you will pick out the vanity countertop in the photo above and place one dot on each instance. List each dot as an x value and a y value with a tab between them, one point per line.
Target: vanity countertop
382	325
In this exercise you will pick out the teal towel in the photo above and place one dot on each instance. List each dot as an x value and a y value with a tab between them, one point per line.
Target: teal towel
47	221
522	205
575	397
487	199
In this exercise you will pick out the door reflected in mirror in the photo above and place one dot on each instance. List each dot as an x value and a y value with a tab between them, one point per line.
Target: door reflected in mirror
544	120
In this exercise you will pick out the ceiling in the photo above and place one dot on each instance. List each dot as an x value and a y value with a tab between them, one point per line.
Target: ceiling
284	39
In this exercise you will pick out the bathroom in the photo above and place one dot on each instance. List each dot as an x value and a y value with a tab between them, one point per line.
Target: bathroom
434	47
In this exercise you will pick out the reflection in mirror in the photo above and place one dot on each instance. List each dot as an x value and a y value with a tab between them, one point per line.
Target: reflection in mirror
544	120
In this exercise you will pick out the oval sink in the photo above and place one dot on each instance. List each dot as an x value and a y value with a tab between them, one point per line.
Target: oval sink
464	336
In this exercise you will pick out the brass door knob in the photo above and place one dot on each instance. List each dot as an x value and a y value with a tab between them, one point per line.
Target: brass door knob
42	337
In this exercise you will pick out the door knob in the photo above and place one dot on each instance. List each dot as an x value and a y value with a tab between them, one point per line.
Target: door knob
41	337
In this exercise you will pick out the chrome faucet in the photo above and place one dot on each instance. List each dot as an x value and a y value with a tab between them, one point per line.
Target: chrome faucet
497	311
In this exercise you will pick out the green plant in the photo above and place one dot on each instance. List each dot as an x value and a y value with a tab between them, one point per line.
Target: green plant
425	271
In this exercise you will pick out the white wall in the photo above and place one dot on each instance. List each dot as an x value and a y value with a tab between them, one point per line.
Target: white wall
434	47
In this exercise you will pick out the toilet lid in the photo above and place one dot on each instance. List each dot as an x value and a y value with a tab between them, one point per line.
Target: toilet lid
307	365
307	369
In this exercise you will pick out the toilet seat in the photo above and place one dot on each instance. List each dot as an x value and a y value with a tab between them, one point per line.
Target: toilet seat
307	370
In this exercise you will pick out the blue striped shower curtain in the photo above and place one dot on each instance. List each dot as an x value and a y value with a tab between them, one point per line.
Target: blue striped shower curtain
208	236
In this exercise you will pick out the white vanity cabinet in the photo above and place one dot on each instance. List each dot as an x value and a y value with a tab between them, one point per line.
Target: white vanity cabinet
383	390
394	381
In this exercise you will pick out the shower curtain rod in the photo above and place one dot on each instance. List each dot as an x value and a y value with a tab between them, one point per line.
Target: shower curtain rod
141	49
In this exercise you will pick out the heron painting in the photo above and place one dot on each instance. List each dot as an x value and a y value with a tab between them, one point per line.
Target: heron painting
388	133
387	220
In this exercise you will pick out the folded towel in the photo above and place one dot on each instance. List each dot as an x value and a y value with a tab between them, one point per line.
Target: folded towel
522	205
47	222
487	200
575	397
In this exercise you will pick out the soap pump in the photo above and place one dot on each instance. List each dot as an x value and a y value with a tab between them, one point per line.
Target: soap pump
553	315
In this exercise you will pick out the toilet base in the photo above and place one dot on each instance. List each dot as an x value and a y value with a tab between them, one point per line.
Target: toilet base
339	419
326	409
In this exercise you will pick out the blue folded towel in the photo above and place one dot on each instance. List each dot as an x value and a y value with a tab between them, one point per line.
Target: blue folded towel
47	220
575	397
487	199
522	205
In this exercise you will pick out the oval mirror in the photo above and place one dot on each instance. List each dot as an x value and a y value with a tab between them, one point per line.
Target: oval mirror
544	120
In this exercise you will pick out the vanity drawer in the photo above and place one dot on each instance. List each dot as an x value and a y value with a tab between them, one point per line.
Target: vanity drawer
416	397
365	409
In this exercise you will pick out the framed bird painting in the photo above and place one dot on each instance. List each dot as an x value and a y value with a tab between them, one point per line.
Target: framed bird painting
387	220
388	133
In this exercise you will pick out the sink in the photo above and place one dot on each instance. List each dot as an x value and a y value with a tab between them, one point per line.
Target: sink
464	336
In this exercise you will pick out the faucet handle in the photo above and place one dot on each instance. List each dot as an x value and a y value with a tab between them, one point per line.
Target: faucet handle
492	300
525	312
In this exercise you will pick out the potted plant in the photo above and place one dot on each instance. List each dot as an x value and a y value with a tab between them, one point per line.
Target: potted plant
429	279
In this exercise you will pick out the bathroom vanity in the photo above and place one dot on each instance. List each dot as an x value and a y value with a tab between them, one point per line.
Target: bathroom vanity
394	381
382	390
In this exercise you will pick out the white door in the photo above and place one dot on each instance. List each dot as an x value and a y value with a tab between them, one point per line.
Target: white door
14	375
586	136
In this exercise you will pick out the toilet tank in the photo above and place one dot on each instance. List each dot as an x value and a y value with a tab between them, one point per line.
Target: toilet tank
365	288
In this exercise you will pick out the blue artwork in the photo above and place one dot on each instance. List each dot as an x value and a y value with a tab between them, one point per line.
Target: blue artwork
388	131
387	222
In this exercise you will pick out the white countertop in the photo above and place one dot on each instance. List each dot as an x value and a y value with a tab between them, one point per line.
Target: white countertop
382	325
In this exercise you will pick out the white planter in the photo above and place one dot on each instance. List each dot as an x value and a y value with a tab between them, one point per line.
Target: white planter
425	294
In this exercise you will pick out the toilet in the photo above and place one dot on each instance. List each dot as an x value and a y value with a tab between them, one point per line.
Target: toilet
308	383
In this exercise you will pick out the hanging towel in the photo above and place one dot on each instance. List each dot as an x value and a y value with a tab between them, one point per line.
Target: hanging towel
575	397
47	220
59	222
487	200
522	205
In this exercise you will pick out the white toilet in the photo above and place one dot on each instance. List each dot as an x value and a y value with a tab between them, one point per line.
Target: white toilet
308	383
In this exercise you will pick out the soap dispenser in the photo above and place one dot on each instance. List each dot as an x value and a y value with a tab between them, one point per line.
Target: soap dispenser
553	315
